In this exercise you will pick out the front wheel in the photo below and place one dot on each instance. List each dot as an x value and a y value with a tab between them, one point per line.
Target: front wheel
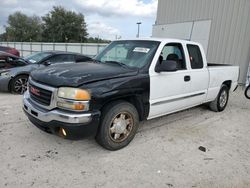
19	84
220	103
247	92
119	124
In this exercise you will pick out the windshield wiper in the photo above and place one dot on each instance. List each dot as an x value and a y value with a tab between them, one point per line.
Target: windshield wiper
119	63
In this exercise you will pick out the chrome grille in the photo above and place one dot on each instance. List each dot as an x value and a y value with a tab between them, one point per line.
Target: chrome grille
40	95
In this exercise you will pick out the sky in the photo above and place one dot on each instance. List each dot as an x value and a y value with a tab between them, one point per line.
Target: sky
106	19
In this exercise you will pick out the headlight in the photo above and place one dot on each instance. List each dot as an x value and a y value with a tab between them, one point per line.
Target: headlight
5	74
74	94
73	99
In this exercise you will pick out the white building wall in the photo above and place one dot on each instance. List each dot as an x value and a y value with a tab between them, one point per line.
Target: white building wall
197	31
229	36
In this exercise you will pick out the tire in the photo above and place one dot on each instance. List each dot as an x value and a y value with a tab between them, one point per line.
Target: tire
247	92
118	127
220	103
19	84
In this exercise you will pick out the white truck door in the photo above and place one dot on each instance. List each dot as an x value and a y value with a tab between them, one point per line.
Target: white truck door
170	91
200	75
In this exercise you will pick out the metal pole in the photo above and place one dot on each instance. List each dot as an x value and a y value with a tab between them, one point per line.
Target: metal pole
22	48
138	32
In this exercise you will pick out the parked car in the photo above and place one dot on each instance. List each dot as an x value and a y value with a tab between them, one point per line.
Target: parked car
10	50
14	79
130	81
8	61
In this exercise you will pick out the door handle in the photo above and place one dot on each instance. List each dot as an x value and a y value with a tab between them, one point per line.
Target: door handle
187	78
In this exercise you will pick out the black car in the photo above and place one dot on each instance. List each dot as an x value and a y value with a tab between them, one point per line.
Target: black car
15	71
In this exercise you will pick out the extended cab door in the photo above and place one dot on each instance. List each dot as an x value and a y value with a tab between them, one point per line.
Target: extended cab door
169	91
199	73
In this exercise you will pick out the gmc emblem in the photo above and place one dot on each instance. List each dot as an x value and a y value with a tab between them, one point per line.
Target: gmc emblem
34	91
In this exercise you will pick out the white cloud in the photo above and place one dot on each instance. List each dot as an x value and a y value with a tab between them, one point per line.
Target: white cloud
105	18
96	29
120	7
9	2
108	18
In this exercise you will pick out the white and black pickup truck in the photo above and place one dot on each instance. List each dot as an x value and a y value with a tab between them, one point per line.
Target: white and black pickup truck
128	82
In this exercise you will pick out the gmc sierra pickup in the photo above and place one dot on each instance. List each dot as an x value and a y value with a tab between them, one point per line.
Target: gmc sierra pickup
128	82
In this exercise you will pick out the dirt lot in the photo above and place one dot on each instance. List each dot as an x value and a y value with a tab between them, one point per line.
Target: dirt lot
163	154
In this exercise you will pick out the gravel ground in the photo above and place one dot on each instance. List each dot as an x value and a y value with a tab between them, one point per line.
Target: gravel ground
163	154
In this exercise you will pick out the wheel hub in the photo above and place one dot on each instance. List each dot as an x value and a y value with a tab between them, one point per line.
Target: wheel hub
121	127
223	99
21	85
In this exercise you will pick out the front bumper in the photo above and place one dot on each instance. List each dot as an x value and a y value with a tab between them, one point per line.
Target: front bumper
76	125
4	83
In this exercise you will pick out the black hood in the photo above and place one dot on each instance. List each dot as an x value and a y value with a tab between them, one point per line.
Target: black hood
74	75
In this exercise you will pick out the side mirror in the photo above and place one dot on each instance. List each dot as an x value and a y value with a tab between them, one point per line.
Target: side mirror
8	59
166	66
47	63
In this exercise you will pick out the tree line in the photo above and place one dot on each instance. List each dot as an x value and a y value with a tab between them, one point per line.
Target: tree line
59	25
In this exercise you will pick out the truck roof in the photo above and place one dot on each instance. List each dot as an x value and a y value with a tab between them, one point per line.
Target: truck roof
163	40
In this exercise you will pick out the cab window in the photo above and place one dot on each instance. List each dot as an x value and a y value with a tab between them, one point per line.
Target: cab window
174	52
195	56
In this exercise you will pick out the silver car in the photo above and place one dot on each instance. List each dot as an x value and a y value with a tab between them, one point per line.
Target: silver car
14	78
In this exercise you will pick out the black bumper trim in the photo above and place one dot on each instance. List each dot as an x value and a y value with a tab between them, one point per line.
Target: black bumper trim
74	132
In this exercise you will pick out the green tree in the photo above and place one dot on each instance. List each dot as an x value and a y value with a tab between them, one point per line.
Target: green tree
61	25
97	40
23	28
3	37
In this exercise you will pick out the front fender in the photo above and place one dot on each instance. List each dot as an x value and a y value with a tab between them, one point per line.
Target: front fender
132	89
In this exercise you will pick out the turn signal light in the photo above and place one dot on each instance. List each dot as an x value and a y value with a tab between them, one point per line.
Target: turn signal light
79	106
82	95
73	105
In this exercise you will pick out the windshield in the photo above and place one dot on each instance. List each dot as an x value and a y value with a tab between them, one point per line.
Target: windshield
37	57
130	53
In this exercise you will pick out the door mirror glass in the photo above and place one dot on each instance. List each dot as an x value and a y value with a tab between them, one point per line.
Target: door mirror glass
166	66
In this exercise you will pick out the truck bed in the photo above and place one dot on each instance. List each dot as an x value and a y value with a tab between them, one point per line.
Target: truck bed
218	74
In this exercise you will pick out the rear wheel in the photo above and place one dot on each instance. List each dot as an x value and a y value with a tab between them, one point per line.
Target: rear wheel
220	103
19	84
119	124
247	92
